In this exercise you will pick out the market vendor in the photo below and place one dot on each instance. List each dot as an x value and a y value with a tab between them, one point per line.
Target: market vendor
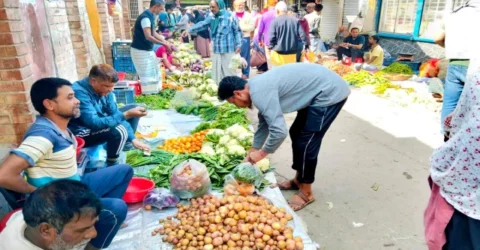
317	95
59	215
374	59
226	36
100	120
48	153
352	46
144	36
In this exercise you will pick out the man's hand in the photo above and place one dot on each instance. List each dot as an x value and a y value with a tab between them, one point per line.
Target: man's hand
237	50
135	112
257	156
140	145
251	150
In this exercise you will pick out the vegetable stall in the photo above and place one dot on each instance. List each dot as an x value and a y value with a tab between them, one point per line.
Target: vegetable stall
205	196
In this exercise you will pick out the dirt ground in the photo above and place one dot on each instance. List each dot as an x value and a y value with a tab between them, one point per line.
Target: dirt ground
373	169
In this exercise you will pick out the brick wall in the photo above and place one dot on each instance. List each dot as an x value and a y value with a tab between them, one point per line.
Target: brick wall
118	25
78	23
108	32
63	45
126	19
15	75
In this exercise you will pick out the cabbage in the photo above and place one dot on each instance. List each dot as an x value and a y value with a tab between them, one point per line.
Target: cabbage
247	173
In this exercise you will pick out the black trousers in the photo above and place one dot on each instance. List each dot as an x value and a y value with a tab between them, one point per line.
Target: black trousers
462	233
115	137
307	132
350	52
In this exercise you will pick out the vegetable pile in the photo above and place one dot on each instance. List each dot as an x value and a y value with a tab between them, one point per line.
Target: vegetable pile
337	67
204	87
229	223
224	116
218	167
195	108
157	101
363	78
398	68
184	144
137	158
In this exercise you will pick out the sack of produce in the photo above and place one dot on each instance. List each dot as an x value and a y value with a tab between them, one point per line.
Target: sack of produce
160	198
190	179
243	180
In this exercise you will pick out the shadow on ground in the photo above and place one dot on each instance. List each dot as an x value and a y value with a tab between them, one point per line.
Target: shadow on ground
347	171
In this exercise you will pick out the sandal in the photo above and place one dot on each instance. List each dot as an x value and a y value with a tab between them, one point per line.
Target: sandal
298	204
283	186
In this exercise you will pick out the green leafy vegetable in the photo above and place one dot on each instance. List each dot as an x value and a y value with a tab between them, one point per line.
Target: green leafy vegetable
398	68
136	158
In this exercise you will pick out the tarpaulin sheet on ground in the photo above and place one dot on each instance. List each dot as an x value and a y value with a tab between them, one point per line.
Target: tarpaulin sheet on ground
137	235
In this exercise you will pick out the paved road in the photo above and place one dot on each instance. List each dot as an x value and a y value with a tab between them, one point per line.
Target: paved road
371	142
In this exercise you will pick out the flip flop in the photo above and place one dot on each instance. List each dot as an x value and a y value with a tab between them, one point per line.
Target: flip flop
298	204
293	186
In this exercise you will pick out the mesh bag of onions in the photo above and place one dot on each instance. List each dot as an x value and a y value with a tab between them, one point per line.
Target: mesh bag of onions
232	222
190	179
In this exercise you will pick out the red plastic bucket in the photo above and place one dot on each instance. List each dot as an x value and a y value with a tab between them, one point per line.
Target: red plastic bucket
80	144
137	189
137	87
121	75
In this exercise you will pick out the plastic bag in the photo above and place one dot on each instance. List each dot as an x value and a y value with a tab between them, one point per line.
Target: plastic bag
190	179
160	198
243	180
184	97
237	62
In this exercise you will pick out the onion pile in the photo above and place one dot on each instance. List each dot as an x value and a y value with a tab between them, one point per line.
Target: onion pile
232	222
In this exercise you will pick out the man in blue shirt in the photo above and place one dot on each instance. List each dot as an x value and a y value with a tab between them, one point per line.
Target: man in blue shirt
48	153
352	46
100	120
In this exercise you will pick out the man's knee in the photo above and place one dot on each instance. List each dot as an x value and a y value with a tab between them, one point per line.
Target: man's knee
119	132
114	211
124	170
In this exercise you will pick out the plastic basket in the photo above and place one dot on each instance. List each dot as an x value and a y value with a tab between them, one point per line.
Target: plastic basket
121	49
125	96
123	64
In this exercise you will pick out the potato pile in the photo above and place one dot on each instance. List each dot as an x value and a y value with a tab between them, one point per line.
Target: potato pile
232	222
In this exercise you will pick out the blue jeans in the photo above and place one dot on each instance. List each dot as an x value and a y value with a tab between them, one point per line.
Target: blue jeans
114	137
245	53
109	184
454	82
299	51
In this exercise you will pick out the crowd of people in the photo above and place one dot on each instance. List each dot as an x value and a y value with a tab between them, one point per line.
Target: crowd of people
64	210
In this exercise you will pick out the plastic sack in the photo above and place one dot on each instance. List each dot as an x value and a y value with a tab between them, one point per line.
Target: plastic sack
237	62
243	180
160	198
190	179
429	68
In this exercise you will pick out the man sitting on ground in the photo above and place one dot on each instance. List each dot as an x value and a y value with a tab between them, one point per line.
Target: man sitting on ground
100	120
352	46
374	61
59	215
48	153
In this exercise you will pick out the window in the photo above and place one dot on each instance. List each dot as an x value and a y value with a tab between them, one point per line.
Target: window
433	13
410	19
398	16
